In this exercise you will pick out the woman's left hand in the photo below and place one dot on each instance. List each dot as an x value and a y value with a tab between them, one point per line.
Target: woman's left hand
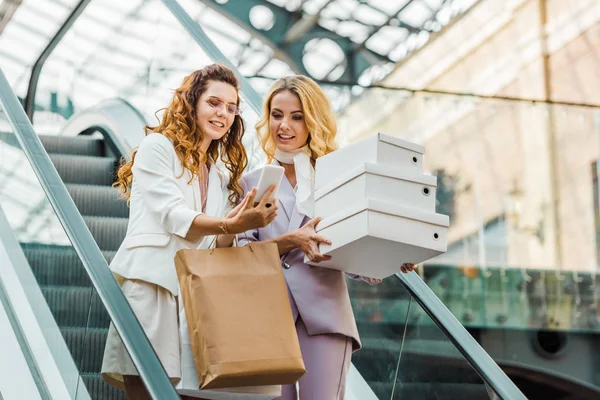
407	267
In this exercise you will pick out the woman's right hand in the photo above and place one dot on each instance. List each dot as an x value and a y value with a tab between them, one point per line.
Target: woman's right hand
250	217
307	240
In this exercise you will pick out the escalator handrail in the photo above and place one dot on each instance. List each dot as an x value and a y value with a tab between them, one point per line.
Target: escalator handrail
477	357
144	358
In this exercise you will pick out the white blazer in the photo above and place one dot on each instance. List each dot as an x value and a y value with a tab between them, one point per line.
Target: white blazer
162	207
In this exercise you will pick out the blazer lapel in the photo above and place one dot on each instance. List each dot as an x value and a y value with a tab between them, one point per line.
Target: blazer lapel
296	219
287	199
214	200
286	196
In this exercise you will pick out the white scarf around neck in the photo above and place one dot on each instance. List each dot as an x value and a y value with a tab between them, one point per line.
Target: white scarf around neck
305	177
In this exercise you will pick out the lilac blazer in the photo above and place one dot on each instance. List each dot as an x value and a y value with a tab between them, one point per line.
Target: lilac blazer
320	294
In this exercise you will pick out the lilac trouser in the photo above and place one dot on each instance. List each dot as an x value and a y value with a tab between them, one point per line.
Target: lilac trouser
327	360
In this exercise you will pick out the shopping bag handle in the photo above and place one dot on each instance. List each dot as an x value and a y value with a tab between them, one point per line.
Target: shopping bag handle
236	243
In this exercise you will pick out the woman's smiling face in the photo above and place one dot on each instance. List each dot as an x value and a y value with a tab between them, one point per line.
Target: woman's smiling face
286	122
212	110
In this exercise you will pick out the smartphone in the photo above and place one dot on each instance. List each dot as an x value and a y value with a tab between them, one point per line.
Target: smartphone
270	175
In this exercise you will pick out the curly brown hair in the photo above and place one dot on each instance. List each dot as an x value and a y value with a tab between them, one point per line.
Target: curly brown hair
179	123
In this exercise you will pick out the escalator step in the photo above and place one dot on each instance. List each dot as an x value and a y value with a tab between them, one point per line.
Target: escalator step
76	145
108	232
86	346
76	306
58	265
85	170
102	201
101	390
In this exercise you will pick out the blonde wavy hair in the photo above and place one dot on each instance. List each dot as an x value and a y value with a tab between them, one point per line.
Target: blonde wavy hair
318	116
179	123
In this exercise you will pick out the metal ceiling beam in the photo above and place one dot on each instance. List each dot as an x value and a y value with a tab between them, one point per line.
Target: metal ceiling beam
7	10
391	17
290	33
305	24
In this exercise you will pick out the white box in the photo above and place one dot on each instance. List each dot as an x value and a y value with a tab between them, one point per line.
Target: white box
374	238
378	182
377	149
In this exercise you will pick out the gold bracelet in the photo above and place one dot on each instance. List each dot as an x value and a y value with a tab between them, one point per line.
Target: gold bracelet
223	225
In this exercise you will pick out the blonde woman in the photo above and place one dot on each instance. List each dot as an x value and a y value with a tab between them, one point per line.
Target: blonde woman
178	199
297	127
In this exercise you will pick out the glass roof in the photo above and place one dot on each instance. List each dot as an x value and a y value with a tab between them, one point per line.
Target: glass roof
391	29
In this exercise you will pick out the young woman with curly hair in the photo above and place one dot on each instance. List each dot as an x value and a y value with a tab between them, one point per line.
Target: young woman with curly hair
297	127
179	198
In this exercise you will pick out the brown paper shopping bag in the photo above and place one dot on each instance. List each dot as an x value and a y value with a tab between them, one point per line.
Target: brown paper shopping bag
239	316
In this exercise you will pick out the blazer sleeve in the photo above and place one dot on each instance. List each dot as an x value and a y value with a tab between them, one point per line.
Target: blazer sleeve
153	172
251	235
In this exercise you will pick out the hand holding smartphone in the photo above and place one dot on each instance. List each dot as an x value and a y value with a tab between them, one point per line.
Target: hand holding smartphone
270	175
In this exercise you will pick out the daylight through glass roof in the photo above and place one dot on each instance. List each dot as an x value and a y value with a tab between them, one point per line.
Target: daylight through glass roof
389	29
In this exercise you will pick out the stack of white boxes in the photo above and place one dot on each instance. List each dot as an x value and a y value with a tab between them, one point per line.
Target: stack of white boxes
378	207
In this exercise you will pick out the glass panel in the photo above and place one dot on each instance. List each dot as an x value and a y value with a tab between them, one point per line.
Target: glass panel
431	367
405	355
518	298
532	320
380	314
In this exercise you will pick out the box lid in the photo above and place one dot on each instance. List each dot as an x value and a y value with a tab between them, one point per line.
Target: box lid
400	143
375	169
386	208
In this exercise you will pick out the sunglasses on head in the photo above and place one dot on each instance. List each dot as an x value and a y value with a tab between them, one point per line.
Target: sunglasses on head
215	102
